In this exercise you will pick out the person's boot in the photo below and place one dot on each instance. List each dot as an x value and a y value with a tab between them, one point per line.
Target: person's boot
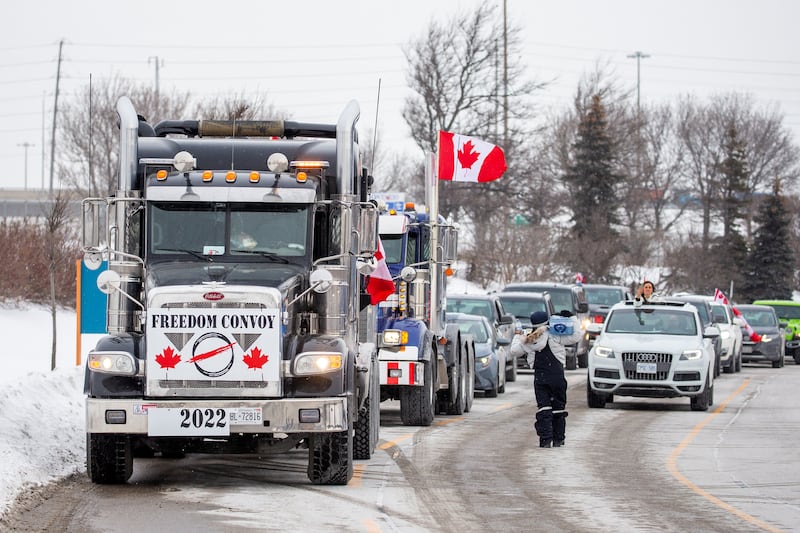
545	443
558	442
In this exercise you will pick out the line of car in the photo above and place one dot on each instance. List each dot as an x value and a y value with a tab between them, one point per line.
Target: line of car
646	358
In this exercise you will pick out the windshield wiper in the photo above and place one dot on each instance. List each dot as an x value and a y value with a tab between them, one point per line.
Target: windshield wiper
268	255
187	251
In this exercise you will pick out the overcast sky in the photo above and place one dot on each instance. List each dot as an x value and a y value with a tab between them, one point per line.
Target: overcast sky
311	57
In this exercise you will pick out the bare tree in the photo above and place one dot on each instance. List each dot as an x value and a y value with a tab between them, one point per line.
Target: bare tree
56	243
89	131
238	107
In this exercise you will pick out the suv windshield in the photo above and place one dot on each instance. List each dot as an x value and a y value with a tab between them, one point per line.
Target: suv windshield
476	328
652	321
216	228
789	312
600	296
562	299
522	308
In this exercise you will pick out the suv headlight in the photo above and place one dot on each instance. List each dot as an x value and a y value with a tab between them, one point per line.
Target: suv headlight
311	363
690	355
603	351
724	335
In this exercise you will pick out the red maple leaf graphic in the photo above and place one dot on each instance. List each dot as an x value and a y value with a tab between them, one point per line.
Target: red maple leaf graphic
254	359
168	359
467	155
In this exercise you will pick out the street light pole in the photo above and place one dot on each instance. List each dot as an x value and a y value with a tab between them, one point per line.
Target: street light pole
638	56
26	145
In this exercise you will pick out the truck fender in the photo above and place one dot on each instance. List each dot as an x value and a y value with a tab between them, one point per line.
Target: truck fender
367	352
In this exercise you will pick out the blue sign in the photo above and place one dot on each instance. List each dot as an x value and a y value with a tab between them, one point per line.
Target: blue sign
93	302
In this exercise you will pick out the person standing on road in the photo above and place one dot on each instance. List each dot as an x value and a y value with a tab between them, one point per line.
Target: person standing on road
547	356
646	294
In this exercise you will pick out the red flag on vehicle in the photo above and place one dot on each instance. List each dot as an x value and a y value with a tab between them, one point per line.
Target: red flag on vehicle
463	158
719	296
380	285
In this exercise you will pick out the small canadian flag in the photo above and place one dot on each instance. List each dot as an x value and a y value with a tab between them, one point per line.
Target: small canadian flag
720	297
463	158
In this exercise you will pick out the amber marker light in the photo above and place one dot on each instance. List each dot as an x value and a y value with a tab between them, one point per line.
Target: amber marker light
255	177
230	176
161	175
208	176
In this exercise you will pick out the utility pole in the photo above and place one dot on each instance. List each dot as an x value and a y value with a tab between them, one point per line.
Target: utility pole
638	56
26	145
505	75
55	114
154	59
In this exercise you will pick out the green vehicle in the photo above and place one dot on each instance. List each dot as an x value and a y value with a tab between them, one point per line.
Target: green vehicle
788	311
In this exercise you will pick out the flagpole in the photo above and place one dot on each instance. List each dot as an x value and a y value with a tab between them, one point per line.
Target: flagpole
432	203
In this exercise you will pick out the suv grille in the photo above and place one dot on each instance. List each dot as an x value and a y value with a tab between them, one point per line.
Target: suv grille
663	362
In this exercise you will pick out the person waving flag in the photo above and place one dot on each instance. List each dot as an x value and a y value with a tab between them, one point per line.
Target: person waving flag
720	297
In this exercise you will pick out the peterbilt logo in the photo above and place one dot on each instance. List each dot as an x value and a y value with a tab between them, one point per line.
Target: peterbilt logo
646	358
213	296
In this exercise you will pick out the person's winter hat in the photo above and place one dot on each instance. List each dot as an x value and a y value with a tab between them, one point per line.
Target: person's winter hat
539	318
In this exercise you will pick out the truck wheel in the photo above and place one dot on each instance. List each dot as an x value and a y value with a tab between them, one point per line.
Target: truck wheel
417	403
511	373
595	400
367	426
457	383
109	458
330	458
704	400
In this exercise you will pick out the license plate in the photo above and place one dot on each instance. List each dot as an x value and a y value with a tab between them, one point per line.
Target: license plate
244	416
646	368
188	422
747	349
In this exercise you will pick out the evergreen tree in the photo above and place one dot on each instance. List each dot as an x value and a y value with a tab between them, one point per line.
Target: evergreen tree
591	176
734	173
771	263
593	184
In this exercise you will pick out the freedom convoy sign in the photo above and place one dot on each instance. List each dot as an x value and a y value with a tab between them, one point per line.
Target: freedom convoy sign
220	344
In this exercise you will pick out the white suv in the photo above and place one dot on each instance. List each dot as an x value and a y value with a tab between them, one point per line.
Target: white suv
658	350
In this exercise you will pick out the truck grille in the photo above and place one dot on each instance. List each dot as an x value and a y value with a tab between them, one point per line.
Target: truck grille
663	363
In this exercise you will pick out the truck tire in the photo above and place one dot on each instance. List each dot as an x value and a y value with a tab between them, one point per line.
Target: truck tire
594	399
457	383
109	458
330	458
417	403
367	427
704	400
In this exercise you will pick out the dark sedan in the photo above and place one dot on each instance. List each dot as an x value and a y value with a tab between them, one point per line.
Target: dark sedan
763	320
490	352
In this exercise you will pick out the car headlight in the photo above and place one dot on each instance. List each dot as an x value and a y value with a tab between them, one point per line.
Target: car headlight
395	337
311	363
690	355
767	338
484	361
120	363
724	335
603	351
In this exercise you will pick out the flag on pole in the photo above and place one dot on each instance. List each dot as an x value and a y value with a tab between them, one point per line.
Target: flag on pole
463	158
380	285
719	296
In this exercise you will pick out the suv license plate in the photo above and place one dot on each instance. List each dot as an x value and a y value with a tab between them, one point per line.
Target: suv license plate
646	368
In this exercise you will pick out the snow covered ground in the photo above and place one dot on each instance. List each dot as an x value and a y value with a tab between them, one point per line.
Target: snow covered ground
41	412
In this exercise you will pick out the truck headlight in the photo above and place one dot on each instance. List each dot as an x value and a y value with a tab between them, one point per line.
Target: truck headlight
312	363
603	351
395	337
119	363
690	355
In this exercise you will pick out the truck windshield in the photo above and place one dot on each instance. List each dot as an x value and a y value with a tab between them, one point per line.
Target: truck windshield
214	229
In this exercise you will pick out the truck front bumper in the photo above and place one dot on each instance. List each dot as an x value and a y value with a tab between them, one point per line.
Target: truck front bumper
278	415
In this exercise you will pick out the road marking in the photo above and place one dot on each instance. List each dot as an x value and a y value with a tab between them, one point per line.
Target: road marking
673	467
358	475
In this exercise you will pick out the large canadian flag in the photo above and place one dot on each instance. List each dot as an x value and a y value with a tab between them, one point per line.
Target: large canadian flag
719	296
380	285
463	158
